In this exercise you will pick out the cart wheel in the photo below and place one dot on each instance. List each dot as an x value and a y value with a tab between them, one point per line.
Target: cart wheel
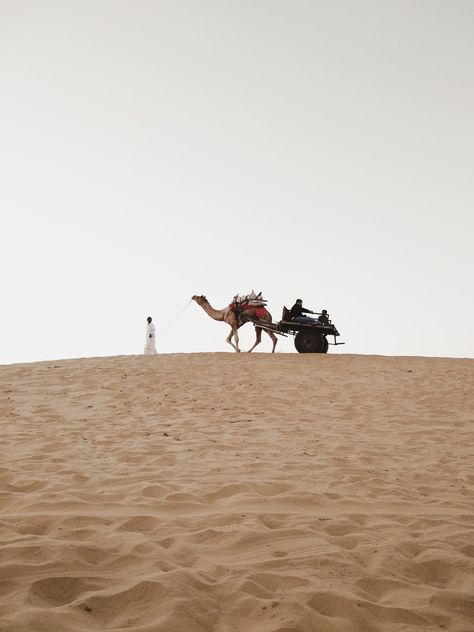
309	342
325	345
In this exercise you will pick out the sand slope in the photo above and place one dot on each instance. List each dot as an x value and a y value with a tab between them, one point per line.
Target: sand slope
237	493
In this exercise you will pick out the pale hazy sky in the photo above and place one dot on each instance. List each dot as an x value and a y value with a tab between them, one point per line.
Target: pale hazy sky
153	150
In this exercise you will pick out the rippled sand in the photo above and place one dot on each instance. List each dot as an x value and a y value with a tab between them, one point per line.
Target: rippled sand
237	493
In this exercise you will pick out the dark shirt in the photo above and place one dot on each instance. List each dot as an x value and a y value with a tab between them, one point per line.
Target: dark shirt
323	320
298	310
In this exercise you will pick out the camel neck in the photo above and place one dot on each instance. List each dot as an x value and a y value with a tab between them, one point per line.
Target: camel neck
216	314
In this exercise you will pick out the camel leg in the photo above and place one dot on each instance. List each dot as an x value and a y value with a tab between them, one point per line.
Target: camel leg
235	335
258	338
236	338
274	339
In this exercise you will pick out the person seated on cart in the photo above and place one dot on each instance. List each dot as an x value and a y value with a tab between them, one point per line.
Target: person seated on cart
324	318
297	311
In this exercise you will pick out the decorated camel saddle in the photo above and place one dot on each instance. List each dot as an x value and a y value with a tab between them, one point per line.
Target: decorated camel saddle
251	305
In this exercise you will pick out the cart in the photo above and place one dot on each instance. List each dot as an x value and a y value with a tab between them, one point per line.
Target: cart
309	337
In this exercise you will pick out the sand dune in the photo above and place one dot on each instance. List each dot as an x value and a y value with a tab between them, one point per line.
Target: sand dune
237	493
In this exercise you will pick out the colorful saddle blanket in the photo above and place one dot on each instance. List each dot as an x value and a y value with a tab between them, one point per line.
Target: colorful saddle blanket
260	310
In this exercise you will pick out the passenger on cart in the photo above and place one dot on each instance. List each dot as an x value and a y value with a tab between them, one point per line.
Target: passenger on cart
297	311
323	319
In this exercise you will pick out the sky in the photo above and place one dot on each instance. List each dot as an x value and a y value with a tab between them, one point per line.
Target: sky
152	150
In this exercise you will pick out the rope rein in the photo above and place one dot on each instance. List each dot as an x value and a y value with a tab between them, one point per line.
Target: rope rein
167	326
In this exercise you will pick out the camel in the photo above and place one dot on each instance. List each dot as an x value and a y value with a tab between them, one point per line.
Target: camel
229	316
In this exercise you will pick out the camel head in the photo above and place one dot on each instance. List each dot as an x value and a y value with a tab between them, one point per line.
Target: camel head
200	300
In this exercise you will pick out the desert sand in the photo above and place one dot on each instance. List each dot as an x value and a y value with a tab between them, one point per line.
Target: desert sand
237	493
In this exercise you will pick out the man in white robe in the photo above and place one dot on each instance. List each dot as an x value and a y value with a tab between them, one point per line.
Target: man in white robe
150	347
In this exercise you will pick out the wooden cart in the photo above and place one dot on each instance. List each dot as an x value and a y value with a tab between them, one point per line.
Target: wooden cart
309	337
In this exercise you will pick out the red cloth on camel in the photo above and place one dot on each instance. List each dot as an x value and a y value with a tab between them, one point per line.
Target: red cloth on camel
260	312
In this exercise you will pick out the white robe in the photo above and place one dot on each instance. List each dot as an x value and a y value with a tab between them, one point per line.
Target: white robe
150	347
